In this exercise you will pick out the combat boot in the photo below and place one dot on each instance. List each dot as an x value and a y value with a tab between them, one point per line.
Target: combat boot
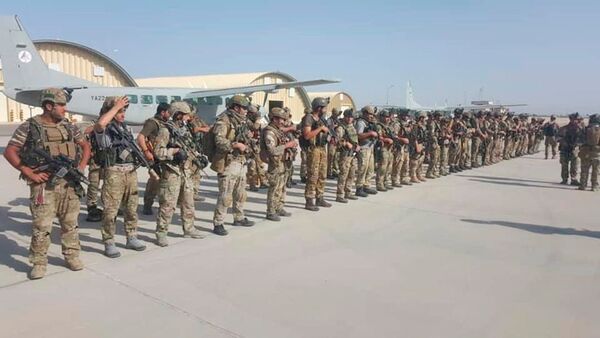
161	240
421	178
74	263
414	180
340	199
134	243
407	182
575	182
594	188
199	198
452	170
564	182
382	189
397	185
243	222
94	214
284	213
361	193
389	187
193	233
581	187
110	250
322	203
220	230
147	209
429	176
273	217
351	197
310	205
370	191
38	271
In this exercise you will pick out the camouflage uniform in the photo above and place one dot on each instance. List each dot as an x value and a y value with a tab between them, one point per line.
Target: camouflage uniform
569	152
274	146
550	132
416	162
47	202
150	131
384	157
433	133
316	159
197	122
332	156
400	154
256	176
590	153
231	168
365	158
347	162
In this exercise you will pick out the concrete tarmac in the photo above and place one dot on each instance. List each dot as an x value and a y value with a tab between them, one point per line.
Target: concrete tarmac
499	251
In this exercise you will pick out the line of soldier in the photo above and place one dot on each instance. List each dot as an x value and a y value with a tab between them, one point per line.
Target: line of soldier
175	146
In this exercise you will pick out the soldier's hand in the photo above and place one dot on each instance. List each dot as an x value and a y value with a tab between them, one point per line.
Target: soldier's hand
348	145
239	146
373	133
324	129
291	144
148	155
33	176
122	102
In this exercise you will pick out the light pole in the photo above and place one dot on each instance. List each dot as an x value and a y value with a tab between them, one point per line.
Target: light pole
387	95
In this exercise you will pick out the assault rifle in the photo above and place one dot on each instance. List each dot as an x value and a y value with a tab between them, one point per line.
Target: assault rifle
181	140
62	167
126	139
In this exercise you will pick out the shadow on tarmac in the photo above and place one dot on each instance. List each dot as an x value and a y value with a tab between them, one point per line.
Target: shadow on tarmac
539	229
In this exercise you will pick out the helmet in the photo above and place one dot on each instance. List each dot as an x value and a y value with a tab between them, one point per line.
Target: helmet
421	114
384	113
437	113
349	113
54	95
368	110
319	102
180	107
306	111
335	112
253	108
594	119
458	111
240	100
278	112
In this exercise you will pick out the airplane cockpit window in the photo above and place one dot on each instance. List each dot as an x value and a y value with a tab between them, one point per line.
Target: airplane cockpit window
162	98
133	99
147	99
175	98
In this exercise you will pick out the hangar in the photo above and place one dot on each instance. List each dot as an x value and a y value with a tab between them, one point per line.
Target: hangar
339	100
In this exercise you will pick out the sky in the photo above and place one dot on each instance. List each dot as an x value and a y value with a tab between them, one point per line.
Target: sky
543	53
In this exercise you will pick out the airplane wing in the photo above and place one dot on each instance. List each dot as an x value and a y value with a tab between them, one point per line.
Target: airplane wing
256	88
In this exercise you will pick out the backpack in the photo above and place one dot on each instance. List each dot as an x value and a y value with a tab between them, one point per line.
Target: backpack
209	148
549	130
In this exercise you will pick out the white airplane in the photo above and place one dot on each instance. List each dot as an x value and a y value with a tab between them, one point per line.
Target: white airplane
26	75
475	105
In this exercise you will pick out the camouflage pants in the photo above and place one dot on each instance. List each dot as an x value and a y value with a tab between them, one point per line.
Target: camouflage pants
454	153
152	189
303	168
509	146
475	148
174	189
332	160
551	144
256	173
466	158
276	193
400	166
93	189
316	159
433	169
196	180
365	167
289	171
120	187
45	204
498	149
489	145
589	159
569	163
347	174
444	152
416	166
384	168
232	192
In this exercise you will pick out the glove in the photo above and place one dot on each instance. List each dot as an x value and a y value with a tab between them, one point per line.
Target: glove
180	156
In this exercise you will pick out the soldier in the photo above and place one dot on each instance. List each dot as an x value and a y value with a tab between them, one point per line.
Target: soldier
275	147
419	132
444	142
147	142
120	182
94	176
177	166
383	152
458	129
347	149
550	133
303	150
479	135
256	176
290	131
50	196
315	132
590	153
198	128
332	159
434	133
400	150
366	162
231	137
569	151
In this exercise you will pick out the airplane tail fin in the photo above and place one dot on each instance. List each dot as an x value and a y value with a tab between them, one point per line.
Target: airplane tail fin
410	99
23	69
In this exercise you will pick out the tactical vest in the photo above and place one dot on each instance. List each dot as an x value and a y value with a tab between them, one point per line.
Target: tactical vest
321	139
592	136
264	154
56	139
234	127
118	153
550	130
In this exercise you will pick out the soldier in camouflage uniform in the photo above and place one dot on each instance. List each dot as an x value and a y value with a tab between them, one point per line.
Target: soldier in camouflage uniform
590	153
433	133
569	136
147	141
94	176
347	149
332	158
367	137
176	185
120	183
467	141
550	132
384	156
197	128
458	130
275	147
231	138
303	152
400	169
444	142
256	176
290	131
419	132
50	198
315	133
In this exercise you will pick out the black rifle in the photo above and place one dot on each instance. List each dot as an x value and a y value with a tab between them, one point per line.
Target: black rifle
62	167
126	139
181	140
